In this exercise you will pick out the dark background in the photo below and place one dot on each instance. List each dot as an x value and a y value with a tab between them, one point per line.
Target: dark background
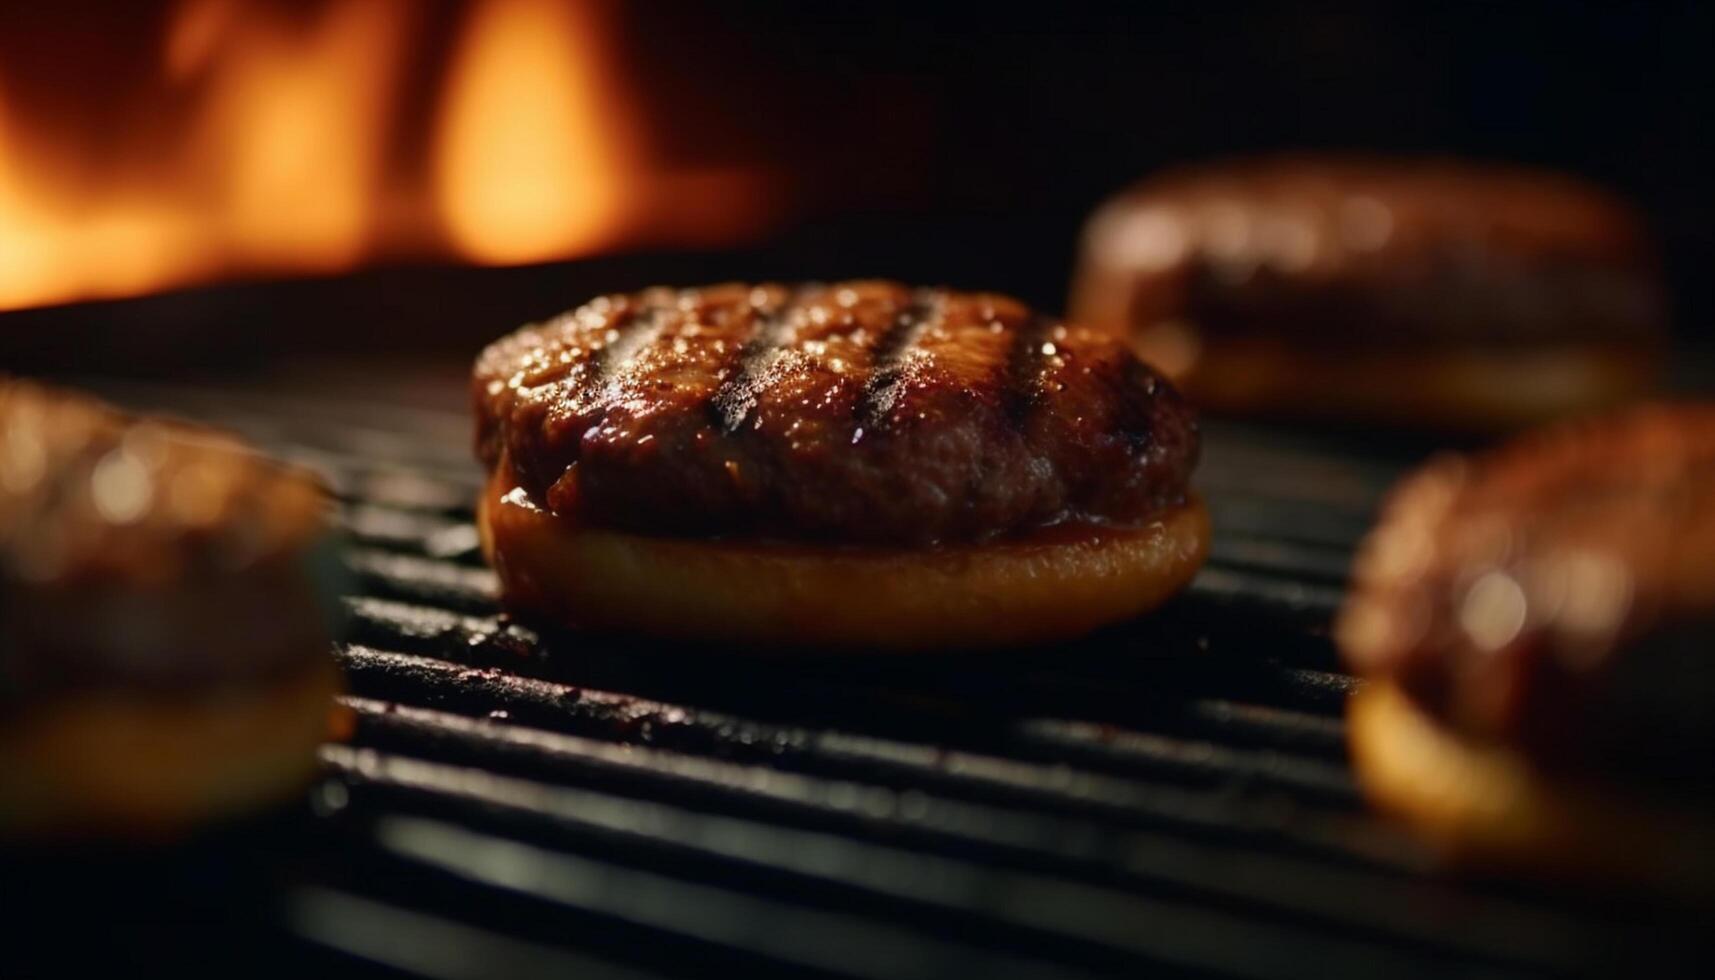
964	143
1037	111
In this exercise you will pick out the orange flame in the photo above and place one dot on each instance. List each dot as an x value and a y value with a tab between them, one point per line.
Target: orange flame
291	141
531	142
273	167
52	249
270	140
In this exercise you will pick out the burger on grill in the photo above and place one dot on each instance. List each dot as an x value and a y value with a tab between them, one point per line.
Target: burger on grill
851	465
164	652
1535	624
1432	293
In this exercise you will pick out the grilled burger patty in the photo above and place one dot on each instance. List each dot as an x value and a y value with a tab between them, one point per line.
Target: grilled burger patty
141	554
1555	594
1429	292
857	412
1336	251
1533	624
166	598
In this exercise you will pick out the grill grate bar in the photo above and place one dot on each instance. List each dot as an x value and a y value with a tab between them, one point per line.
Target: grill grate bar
427	535
791	933
1262	554
432	946
1170	866
424	581
1291	602
1100	923
1078	671
1092	743
1157	752
1223	813
1291	522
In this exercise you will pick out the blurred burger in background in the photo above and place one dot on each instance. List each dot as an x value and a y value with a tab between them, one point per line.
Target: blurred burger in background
1423	291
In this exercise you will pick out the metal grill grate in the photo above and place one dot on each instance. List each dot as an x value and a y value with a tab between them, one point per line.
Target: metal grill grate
1169	797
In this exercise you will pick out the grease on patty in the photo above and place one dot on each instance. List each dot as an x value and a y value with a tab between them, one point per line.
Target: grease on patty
861	415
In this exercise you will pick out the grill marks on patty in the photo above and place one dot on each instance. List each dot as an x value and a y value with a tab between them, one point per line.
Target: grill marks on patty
861	412
774	330
895	354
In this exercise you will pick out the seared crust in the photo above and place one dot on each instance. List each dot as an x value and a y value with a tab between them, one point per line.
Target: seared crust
1554	594
1371	252
860	412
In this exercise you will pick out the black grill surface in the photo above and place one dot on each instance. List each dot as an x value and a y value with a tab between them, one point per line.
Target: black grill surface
1170	797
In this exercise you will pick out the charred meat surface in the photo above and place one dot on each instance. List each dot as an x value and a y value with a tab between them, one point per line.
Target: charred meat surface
857	412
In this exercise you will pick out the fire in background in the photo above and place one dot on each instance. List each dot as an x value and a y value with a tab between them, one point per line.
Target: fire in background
145	146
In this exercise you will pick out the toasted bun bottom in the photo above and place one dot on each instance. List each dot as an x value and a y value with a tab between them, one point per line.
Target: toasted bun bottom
1462	389
1058	584
152	766
1485	806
